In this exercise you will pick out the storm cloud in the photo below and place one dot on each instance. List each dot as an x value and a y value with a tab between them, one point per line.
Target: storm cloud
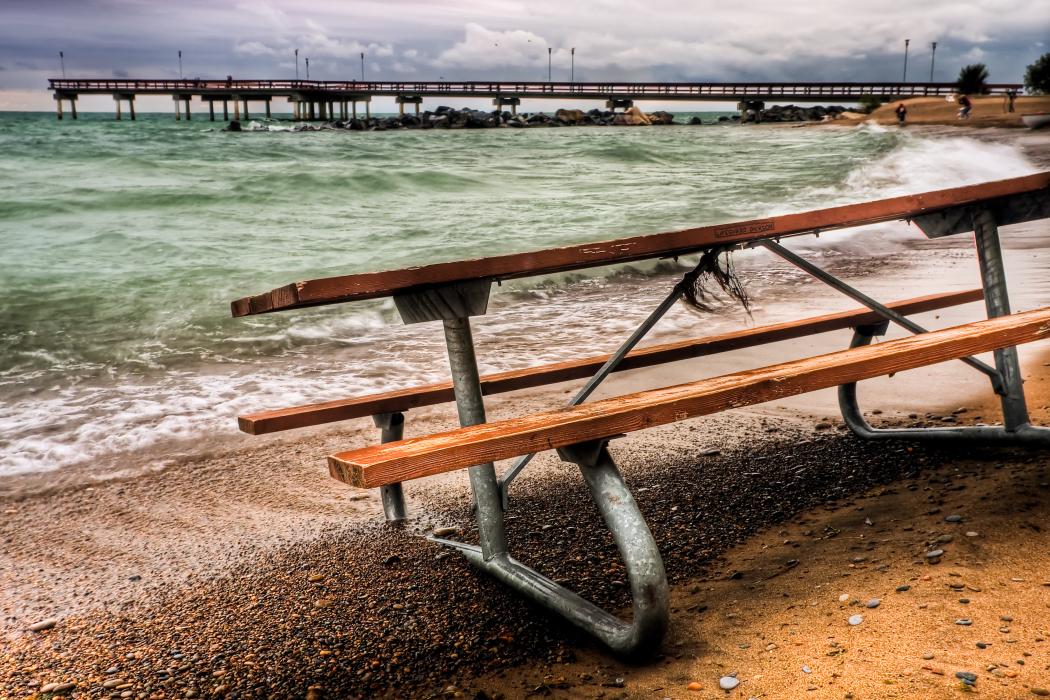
469	39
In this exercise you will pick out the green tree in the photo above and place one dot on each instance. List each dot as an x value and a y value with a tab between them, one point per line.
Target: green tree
869	103
1037	76
973	79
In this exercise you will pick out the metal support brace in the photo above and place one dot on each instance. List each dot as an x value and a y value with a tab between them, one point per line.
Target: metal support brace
1016	426
608	368
881	309
392	426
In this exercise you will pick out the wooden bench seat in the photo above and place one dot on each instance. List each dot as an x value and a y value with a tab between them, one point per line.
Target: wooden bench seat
433	454
431	394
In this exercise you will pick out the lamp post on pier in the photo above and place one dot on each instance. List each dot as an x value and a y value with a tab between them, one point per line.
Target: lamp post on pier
62	61
180	65
548	64
933	57
307	68
297	65
572	65
904	78
362	66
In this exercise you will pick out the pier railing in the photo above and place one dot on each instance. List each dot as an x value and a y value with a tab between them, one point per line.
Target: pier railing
803	91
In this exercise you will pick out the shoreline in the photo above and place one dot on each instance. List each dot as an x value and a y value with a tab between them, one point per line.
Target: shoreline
277	595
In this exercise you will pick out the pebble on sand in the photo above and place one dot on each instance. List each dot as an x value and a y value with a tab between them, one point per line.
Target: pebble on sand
444	531
694	686
953	519
43	625
874	603
58	688
855	619
728	682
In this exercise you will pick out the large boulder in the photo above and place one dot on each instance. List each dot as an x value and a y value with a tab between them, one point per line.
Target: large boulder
570	116
636	117
661	117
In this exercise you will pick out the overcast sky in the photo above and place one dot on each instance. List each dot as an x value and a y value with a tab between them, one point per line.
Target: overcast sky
469	39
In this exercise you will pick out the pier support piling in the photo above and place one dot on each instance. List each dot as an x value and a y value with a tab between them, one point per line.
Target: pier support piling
130	98
211	110
187	108
226	110
267	108
246	115
237	110
512	102
178	115
403	100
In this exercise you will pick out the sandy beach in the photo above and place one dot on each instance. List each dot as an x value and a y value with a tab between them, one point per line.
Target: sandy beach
987	111
248	572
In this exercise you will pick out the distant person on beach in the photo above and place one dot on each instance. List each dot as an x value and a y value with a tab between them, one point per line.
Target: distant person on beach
1008	100
964	107
902	113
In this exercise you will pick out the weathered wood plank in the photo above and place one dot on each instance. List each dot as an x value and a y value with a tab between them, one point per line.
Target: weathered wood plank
456	449
370	285
431	394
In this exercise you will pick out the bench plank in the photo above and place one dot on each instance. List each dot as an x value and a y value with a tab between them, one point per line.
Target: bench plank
431	394
423	456
333	290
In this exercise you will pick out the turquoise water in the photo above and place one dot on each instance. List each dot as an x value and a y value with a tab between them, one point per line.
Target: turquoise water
122	244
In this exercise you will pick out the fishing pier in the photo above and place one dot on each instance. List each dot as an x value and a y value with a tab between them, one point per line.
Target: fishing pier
338	99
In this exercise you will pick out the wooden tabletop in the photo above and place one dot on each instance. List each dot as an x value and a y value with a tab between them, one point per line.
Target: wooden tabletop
371	285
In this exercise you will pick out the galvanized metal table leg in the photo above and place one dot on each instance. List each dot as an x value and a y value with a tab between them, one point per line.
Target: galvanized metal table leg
471	408
997	301
454	305
854	419
644	566
392	426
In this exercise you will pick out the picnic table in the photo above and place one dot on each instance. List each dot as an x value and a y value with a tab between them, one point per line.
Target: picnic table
455	291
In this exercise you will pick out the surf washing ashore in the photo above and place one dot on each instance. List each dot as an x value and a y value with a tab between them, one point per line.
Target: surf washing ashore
124	245
205	562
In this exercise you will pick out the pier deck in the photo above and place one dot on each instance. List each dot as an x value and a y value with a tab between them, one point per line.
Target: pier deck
327	94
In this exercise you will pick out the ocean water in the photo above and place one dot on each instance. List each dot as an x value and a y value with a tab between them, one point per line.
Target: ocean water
122	244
